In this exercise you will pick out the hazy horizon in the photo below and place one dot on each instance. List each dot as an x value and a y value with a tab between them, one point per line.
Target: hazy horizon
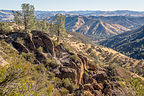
75	5
78	10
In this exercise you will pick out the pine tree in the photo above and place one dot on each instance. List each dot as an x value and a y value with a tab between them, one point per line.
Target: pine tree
60	23
26	17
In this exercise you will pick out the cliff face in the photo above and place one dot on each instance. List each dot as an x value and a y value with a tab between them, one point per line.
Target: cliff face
92	80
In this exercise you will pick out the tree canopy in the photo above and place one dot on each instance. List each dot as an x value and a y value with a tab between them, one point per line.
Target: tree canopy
25	17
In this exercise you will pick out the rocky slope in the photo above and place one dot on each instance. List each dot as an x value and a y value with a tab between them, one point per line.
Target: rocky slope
87	65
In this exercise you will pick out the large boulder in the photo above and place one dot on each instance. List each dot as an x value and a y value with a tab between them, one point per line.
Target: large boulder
68	73
100	76
88	87
77	64
59	50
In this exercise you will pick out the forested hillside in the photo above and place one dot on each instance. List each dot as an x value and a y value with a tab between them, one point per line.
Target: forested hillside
130	43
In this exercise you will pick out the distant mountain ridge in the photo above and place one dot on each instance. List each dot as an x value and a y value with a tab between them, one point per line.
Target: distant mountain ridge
45	14
101	27
97	25
93	27
99	13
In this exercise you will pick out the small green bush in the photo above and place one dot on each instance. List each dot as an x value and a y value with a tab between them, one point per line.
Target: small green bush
55	43
4	28
28	56
40	49
75	57
64	91
20	40
50	61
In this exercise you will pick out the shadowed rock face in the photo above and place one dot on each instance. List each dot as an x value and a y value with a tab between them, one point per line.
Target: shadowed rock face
21	48
47	43
29	42
38	42
100	76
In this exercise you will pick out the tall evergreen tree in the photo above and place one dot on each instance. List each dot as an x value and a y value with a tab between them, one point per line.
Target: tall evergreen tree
60	23
26	17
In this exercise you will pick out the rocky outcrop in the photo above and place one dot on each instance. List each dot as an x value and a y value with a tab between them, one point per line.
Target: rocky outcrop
47	42
84	61
64	67
100	76
38	42
68	73
40	57
79	65
21	48
91	80
29	43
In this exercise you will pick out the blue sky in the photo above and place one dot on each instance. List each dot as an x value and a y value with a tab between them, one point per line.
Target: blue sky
105	5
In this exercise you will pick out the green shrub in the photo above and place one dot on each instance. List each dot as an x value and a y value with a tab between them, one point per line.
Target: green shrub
68	47
93	47
138	85
64	91
55	43
21	78
67	82
75	57
20	40
50	89
94	63
40	49
4	28
28	56
50	61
